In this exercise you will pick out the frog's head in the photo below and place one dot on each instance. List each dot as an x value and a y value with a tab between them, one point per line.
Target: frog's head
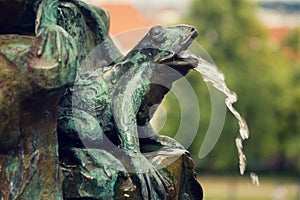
163	43
170	44
163	48
169	39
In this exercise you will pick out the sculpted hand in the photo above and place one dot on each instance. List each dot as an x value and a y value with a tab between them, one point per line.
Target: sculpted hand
56	43
152	184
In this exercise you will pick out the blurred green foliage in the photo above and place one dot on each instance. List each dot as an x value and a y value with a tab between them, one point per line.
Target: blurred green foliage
292	40
266	82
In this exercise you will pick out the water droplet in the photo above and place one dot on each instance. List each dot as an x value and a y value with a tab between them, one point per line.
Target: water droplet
254	179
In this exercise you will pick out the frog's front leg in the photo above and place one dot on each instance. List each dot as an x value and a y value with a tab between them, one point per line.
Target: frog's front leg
61	45
126	102
150	137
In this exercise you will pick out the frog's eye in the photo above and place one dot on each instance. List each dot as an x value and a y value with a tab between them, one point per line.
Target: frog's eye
157	34
156	31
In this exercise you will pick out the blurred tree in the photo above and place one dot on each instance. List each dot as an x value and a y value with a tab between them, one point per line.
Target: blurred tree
293	40
267	85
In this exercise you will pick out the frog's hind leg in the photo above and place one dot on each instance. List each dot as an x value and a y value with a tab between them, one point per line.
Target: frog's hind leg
96	175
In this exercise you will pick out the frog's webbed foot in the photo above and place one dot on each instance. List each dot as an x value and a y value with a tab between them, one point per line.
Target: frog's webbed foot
95	174
151	183
57	43
57	62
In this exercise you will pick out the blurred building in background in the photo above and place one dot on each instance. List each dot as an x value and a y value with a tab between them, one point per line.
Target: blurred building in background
279	16
130	14
124	16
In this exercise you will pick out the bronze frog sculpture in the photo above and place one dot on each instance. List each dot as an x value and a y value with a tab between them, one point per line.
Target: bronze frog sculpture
120	95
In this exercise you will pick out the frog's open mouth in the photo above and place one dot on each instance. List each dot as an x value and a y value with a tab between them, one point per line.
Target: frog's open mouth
193	33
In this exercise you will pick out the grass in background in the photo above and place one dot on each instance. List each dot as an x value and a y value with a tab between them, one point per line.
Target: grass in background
241	188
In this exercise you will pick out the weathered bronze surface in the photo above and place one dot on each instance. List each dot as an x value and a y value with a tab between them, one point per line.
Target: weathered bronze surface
63	138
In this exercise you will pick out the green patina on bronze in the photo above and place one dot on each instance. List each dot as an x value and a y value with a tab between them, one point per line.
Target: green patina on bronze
41	51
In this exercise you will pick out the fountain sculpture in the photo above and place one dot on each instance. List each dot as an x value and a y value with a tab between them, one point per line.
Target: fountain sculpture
71	129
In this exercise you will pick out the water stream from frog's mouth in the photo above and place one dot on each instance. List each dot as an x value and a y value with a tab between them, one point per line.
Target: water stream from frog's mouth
211	74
